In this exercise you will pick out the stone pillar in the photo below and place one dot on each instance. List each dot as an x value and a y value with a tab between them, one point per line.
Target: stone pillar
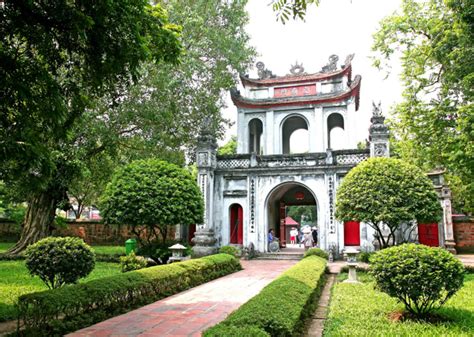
204	238
449	242
378	134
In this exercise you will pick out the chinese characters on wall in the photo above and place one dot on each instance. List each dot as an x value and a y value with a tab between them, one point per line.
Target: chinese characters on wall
300	90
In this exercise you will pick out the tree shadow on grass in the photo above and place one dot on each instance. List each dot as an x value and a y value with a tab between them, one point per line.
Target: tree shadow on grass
462	318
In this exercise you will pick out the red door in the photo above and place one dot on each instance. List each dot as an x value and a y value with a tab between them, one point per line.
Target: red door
352	233
236	224
428	234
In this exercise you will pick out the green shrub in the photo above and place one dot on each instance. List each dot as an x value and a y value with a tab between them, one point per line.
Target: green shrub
422	278
57	311
60	261
231	250
152	195
281	308
229	330
132	262
160	252
316	252
365	256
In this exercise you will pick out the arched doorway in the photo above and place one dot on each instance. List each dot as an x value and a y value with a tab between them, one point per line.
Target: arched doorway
285	207
295	125
255	136
236	228
335	131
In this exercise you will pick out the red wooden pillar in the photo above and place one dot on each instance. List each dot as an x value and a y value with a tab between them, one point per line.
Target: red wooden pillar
352	233
428	234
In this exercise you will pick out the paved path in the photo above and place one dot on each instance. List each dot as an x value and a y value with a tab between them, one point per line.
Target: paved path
192	311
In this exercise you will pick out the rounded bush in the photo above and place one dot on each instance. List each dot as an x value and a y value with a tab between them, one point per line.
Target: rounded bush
229	250
316	252
152	193
60	261
422	278
132	262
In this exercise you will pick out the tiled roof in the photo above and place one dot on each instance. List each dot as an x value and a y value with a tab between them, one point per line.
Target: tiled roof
352	91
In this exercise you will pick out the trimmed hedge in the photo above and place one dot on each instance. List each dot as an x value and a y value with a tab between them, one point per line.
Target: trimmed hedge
57	311
282	307
316	252
234	331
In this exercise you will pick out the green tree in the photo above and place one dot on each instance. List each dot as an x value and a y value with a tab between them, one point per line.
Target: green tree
56	59
433	125
285	9
387	191
228	148
296	212
151	195
160	116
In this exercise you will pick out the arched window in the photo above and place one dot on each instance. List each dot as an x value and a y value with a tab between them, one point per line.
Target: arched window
236	227
295	135
335	131
255	135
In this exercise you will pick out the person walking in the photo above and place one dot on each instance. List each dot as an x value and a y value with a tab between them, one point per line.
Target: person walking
314	233
307	239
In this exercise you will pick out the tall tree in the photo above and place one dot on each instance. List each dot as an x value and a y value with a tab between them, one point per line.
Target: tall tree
56	58
434	125
161	115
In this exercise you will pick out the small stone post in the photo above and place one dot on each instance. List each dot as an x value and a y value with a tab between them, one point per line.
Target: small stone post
352	263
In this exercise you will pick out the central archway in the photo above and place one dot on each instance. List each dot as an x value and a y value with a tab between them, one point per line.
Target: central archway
278	203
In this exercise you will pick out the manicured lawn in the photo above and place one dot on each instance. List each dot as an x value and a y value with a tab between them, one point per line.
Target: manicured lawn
5	245
15	281
109	250
102	250
359	310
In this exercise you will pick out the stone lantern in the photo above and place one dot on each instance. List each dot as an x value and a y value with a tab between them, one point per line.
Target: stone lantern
177	253
352	263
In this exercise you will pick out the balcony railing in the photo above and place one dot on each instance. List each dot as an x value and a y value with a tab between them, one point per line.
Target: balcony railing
320	159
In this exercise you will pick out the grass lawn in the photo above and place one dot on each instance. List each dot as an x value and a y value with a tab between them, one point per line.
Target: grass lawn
102	250
359	310
4	246
15	281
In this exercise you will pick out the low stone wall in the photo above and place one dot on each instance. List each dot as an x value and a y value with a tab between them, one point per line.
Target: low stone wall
463	227
9	231
94	232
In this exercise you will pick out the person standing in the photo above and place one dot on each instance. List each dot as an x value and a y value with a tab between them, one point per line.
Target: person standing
314	233
307	239
293	235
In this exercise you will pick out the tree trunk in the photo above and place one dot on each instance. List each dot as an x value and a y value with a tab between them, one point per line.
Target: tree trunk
37	223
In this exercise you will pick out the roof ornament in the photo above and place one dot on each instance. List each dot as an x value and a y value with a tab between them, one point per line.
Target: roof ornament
263	73
377	109
297	69
332	65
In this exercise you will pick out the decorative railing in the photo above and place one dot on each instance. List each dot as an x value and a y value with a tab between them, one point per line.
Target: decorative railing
321	159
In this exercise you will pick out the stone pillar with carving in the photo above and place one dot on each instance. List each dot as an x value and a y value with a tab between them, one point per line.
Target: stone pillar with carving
449	242
378	134
204	237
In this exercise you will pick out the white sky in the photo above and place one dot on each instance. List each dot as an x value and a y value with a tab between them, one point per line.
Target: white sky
338	27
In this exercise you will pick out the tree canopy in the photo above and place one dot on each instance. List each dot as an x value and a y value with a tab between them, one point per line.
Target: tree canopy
433	125
56	60
152	194
387	191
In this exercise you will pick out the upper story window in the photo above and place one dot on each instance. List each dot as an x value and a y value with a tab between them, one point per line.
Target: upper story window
329	87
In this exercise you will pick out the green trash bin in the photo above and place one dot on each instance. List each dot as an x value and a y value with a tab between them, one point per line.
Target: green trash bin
130	246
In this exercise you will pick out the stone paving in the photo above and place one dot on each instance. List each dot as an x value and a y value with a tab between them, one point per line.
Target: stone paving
193	311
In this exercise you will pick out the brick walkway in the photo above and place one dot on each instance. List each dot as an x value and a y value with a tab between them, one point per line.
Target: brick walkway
192	311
